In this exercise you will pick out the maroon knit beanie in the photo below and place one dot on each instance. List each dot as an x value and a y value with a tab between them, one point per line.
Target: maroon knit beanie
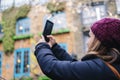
107	31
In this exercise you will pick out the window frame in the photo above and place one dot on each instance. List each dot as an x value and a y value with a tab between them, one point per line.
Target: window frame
1	63
18	24
22	73
93	8
117	6
1	29
1	33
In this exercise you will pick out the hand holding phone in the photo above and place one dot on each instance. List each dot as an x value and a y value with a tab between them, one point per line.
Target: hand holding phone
47	30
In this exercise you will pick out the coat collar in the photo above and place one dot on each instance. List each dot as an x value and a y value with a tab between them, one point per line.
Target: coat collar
89	57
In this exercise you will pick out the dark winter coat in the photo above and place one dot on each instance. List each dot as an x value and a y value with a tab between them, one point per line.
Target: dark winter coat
57	64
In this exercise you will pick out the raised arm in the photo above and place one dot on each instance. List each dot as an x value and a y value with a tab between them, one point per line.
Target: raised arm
64	70
59	52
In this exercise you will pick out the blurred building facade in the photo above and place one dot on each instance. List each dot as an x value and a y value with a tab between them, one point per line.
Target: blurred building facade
71	29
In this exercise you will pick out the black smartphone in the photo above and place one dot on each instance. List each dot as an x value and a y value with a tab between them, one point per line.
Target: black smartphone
47	29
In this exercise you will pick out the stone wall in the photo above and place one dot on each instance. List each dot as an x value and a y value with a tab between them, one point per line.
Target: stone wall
65	38
1	46
25	43
8	66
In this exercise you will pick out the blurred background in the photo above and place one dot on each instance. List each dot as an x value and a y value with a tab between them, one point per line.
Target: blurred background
22	23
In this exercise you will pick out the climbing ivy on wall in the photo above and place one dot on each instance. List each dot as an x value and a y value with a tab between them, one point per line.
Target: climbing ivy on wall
55	7
9	18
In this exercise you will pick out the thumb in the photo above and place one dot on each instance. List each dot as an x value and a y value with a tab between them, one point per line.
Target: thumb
42	37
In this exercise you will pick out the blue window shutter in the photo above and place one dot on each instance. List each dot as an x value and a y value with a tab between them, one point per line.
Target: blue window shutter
26	55
63	45
0	63
1	29
19	62
22	64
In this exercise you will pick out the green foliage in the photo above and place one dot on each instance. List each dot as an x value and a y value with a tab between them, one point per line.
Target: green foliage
23	11
44	78
23	78
22	36
26	78
55	7
9	18
0	39
60	31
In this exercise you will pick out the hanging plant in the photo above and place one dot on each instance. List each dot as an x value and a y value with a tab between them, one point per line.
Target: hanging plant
55	7
9	18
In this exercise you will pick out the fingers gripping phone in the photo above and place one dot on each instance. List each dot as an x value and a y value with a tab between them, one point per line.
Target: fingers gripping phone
47	29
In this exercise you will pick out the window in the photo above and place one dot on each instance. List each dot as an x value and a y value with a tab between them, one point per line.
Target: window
22	62
63	45
1	30
23	26
43	1
21	2
118	6
85	40
92	13
89	15
58	18
0	63
5	4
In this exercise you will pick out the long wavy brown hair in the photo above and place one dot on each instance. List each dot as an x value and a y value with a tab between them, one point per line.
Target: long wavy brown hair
110	55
